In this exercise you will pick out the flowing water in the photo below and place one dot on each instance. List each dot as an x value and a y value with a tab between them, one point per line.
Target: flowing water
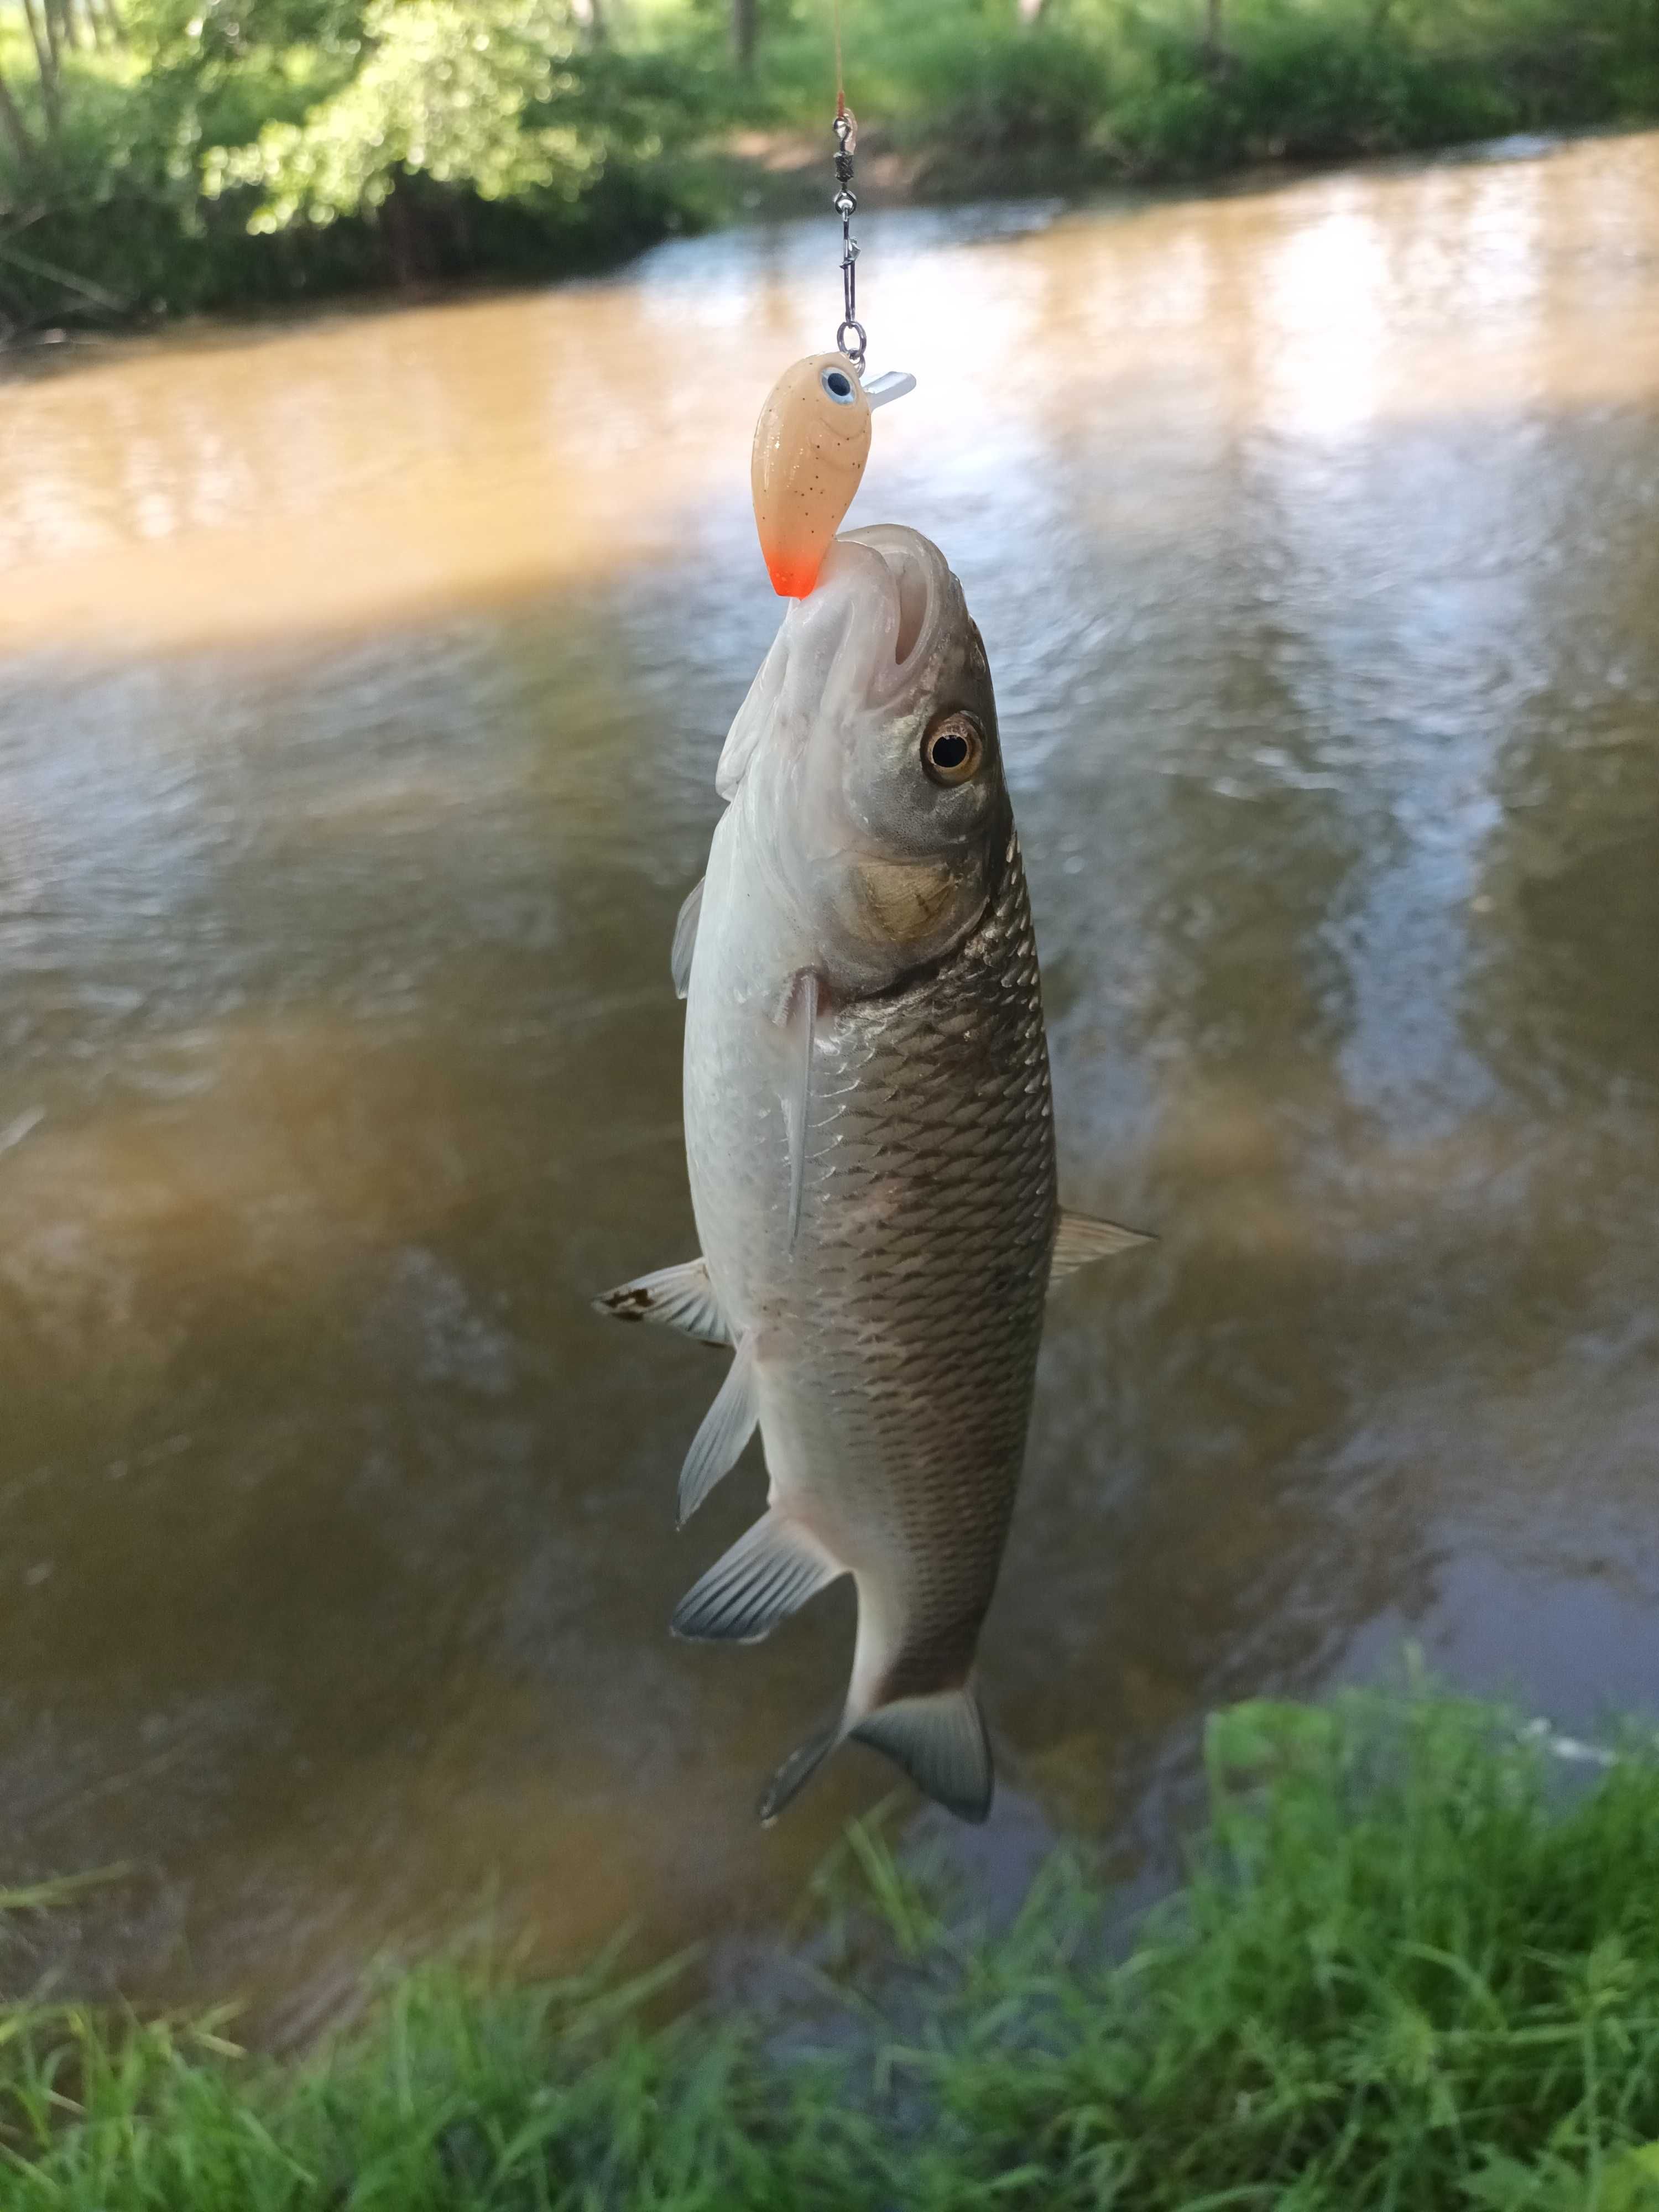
361	685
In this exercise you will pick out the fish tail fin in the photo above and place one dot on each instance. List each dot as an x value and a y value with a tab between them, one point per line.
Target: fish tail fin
939	1741
797	1770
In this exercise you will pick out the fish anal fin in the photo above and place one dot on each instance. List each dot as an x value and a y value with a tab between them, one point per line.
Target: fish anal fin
939	1741
1080	1238
769	1573
797	1771
686	938
727	1428
674	1297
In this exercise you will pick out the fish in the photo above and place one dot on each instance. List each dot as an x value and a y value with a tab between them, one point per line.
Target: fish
870	1142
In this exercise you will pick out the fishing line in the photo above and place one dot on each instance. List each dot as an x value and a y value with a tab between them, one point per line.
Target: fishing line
850	337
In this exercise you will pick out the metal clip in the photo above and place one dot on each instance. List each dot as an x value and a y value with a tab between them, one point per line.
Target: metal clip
850	336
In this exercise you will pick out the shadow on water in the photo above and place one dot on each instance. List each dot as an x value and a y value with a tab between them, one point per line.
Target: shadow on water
341	1066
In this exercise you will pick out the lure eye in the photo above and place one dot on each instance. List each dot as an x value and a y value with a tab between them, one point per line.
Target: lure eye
839	385
952	749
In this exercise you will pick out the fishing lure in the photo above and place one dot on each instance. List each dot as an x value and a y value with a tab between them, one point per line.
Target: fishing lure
813	436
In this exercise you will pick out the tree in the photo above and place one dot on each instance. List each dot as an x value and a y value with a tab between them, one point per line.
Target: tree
447	101
14	129
38	16
745	24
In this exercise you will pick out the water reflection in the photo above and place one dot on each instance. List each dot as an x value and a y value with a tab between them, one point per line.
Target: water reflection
356	745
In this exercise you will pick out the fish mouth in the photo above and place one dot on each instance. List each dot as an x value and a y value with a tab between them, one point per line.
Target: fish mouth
871	635
907	602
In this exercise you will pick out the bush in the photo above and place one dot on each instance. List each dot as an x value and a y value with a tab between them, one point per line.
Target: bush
1096	89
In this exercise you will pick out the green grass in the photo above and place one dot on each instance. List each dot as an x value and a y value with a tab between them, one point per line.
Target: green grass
1415	1965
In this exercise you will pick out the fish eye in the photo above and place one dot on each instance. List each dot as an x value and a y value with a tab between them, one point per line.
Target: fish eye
839	385
952	748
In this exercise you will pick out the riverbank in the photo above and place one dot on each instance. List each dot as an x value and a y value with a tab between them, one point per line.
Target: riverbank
1416	1963
175	162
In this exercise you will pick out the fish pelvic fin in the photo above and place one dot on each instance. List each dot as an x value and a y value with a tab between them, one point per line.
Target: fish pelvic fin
674	1297
769	1573
939	1741
797	1770
727	1428
1080	1238
686	939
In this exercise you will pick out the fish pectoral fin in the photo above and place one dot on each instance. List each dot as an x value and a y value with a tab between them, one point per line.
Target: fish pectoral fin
797	1770
801	1024
686	938
769	1573
674	1297
727	1428
1080	1238
939	1741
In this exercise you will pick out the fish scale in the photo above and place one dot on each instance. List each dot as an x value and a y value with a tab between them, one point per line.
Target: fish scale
899	1338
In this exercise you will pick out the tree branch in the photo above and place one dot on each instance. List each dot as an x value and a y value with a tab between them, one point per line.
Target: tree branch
45	63
14	129
66	277
743	27
49	10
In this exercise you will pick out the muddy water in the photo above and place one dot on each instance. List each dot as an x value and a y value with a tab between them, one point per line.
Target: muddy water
361	691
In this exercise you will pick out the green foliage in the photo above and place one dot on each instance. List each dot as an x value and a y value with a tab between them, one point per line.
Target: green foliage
1009	88
230	153
1415	1965
113	197
227	152
1363	76
961	80
498	97
454	89
1099	89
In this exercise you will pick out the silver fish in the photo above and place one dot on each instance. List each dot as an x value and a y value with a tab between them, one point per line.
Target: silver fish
871	1145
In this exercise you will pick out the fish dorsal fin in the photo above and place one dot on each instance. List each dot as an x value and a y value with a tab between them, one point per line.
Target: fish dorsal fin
1080	1238
769	1573
686	939
939	1741
727	1428
674	1297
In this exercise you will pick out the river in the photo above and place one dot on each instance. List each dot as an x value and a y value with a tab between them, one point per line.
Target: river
361	685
